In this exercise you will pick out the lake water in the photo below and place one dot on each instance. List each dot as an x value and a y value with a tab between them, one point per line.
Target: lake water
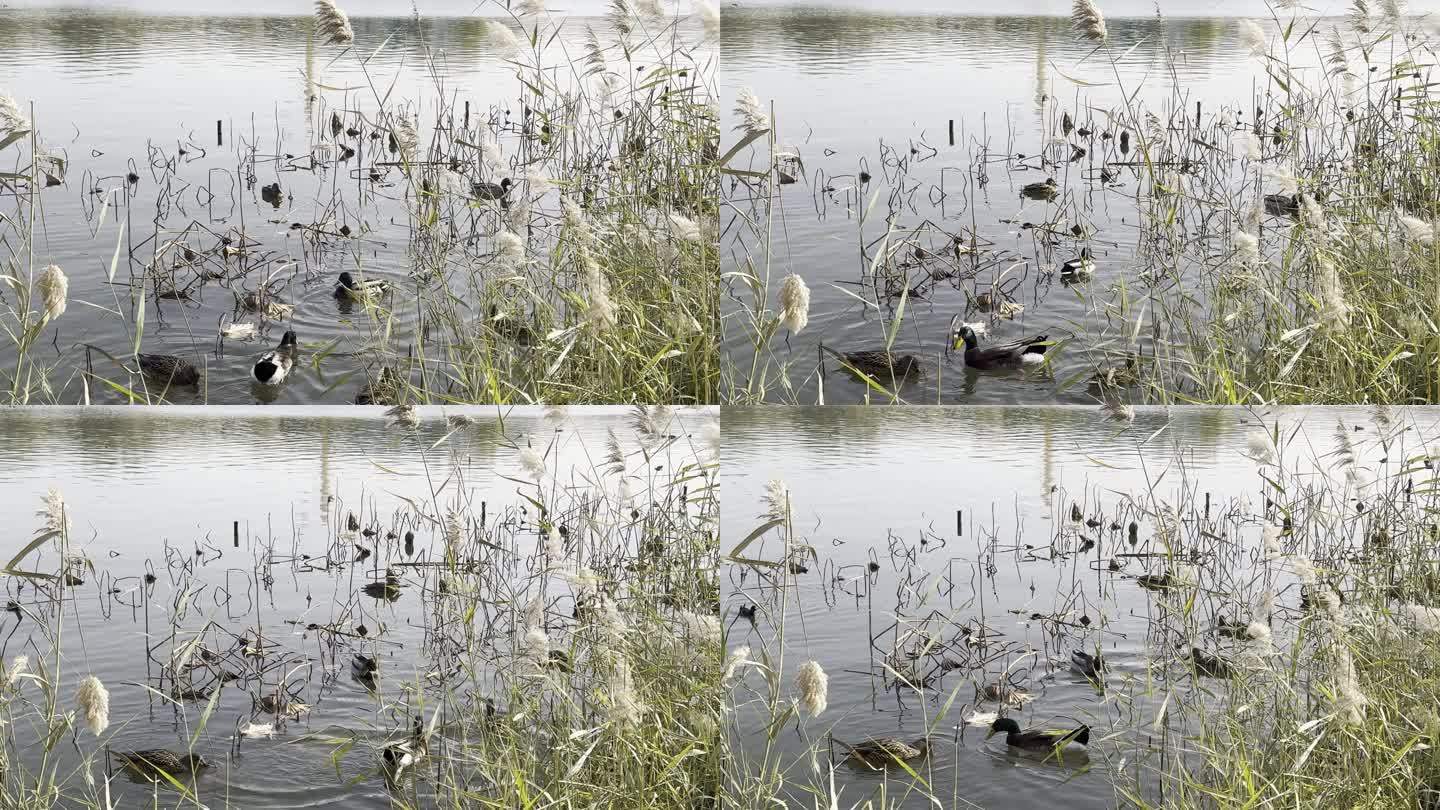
124	89
874	87
931	523
143	501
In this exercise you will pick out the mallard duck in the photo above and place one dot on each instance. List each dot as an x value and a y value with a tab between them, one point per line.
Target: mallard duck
1034	739
1282	205
354	290
1210	665
879	364
490	191
272	194
512	329
1091	666
1040	191
153	762
1016	353
881	752
274	365
168	368
397	757
1002	692
1154	582
1080	268
365	670
388	590
281	704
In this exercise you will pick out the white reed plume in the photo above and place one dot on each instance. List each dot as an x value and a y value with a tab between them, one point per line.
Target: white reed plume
1247	248
652	424
1283	176
701	627
52	286
1259	446
648	8
1393	10
1312	214
1252	37
404	416
532	463
531	8
1417	230
535	648
17	667
510	247
1304	570
406	138
1270	537
53	512
11	118
576	223
331	23
777	499
794	303
554	547
685	229
1422	616
625	707
1253	149
93	702
709	14
750	112
1087	20
600	309
736	661
501	38
1350	702
1334	310
813	686
1258	632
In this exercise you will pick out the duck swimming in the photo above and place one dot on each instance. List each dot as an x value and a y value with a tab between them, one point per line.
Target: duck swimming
1045	191
365	670
274	365
881	752
171	369
356	290
153	762
490	191
397	757
879	364
1017	353
1080	268
1091	666
1034	739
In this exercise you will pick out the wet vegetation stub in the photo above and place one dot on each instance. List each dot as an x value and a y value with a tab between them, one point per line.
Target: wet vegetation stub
1129	238
551	238
1190	642
432	648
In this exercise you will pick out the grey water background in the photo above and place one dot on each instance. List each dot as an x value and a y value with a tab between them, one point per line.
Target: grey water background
851	76
122	87
160	490
885	485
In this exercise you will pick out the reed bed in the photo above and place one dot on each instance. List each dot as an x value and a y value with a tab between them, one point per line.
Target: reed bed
560	650
1284	636
557	246
1281	248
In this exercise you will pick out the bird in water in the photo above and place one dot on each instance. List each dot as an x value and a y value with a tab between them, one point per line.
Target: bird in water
168	368
881	752
274	365
360	290
1040	191
1282	205
154	763
490	191
878	364
1080	268
1091	666
388	589
1015	354
398	757
1035	739
365	670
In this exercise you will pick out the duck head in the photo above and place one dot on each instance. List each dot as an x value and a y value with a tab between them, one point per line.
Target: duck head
288	339
1003	725
347	281
963	338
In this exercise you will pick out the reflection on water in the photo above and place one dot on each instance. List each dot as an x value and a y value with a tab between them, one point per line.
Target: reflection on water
949	116
973	544
264	539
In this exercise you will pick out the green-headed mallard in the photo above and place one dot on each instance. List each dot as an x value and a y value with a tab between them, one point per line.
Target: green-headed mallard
490	191
1035	739
1091	666
397	757
1040	191
1015	354
168	368
882	752
274	365
878	364
153	762
353	289
1078	269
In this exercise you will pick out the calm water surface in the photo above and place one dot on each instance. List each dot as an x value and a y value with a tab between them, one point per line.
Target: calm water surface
123	88
162	492
861	85
884	486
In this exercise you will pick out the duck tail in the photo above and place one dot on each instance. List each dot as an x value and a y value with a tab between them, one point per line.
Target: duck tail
1038	345
1082	736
